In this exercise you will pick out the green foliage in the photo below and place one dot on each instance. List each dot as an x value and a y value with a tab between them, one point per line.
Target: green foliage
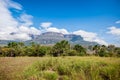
102	52
80	50
60	48
12	44
117	50
0	51
42	51
72	53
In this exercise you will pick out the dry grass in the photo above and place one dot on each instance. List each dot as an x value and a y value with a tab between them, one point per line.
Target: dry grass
11	68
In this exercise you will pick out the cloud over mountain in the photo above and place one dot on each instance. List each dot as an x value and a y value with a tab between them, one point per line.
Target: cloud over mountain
90	36
87	36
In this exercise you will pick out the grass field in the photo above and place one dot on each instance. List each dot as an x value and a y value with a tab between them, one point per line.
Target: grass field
59	68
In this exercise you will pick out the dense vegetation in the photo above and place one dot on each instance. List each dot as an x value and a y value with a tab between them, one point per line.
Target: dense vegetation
62	48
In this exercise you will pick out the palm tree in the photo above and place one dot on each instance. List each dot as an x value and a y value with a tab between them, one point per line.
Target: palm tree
81	50
60	47
96	48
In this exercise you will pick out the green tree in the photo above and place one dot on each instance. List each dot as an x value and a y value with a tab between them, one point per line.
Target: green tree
96	49
81	50
29	51
0	51
72	53
60	48
12	44
117	51
42	51
111	49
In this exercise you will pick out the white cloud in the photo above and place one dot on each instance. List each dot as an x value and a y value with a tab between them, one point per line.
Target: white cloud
34	31
64	31
53	29
114	31
47	27
46	24
26	20
115	35
90	36
7	21
100	41
21	36
21	26
10	4
29	30
117	22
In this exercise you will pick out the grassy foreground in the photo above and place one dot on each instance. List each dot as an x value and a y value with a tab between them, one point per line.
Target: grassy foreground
59	68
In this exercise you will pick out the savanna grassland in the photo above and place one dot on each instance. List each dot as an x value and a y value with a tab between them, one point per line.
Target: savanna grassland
60	68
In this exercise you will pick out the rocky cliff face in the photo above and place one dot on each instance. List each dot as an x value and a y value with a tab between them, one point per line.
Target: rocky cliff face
52	38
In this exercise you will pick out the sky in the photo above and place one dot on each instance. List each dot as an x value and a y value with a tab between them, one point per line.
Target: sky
94	20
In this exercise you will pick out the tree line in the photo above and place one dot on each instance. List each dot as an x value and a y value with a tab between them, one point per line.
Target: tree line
62	48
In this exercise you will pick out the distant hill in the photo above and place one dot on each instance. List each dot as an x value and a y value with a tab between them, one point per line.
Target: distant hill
4	42
53	37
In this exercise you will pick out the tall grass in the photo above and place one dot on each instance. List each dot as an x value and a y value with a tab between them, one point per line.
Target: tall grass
74	68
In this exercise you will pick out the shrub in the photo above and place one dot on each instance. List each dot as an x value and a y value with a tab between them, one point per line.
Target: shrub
72	53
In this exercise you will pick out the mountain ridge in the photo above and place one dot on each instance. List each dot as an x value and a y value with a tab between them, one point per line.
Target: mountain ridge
54	37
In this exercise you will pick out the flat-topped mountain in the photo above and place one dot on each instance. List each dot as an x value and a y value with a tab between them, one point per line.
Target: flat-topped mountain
53	37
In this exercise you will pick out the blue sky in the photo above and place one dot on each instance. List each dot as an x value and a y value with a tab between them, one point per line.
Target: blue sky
81	14
81	17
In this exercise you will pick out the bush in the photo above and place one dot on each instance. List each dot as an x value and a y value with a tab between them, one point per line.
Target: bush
72	53
42	51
